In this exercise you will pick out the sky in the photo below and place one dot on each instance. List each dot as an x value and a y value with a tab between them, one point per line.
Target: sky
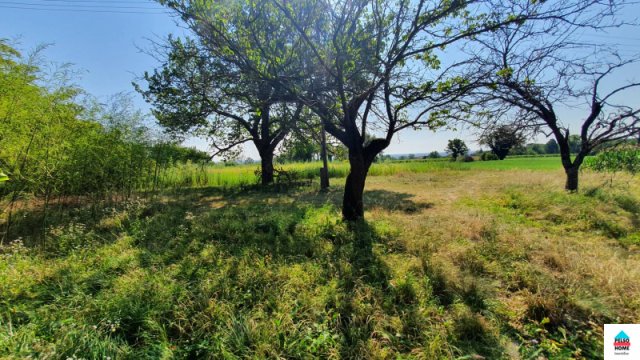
102	39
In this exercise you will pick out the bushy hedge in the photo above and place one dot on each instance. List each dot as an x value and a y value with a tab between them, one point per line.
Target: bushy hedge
624	159
56	141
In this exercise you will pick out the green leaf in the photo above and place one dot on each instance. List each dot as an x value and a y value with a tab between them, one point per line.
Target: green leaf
3	177
505	73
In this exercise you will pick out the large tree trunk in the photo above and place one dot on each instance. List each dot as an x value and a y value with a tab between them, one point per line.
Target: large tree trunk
571	168
572	178
324	172
573	171
352	202
266	174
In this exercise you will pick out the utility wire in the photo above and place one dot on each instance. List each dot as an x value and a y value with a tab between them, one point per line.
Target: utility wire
83	10
64	6
614	37
101	2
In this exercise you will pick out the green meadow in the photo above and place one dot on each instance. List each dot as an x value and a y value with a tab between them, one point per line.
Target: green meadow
455	261
243	175
122	237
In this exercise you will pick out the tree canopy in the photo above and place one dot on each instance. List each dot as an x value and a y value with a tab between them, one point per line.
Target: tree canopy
196	90
530	70
456	148
501	139
362	66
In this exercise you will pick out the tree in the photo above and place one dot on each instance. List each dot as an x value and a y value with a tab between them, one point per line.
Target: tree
299	149
502	139
575	144
198	91
309	130
533	69
456	148
551	147
434	155
365	62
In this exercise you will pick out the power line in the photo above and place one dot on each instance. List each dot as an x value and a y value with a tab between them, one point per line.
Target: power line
83	10
612	36
64	6
101	2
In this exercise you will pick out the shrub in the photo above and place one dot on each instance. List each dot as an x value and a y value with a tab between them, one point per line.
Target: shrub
488	156
626	159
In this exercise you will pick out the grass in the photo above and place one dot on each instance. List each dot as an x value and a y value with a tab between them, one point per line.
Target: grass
190	175
449	265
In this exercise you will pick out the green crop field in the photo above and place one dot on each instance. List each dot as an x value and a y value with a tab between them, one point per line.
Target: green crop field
231	176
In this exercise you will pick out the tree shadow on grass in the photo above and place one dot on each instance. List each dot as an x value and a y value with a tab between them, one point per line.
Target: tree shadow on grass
301	196
363	280
394	202
240	256
29	224
373	199
287	232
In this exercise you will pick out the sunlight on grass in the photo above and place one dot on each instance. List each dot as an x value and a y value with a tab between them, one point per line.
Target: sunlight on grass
190	175
451	264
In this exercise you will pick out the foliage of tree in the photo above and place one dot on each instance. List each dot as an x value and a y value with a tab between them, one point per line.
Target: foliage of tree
434	155
456	148
196	90
618	159
175	153
531	69
501	139
365	64
551	147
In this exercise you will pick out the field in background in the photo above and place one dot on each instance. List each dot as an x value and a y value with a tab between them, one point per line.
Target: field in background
190	175
449	265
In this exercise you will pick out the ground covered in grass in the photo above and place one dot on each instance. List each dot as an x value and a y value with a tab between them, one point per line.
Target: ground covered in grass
219	175
450	264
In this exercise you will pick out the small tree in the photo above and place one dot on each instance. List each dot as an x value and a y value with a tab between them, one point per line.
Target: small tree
434	155
575	144
456	148
198	91
551	147
299	149
502	139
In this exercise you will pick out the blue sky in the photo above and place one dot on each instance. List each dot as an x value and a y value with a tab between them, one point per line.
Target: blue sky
102	39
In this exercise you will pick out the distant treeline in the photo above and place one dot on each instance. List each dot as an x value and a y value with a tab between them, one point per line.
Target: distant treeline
550	149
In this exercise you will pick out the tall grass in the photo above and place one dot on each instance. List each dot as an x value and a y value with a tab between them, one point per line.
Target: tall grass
193	175
491	267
